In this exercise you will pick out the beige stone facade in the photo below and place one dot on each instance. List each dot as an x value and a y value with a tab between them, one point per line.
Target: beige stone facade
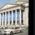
9	8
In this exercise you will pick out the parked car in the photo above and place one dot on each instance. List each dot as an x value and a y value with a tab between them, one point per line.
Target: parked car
12	30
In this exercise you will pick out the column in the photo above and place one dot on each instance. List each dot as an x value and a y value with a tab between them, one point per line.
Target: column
12	17
20	17
8	18
0	19
23	20
15	17
5	19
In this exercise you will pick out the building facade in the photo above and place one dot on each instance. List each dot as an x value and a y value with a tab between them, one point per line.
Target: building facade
16	14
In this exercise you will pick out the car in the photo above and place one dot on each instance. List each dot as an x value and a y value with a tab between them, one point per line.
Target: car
6	31
12	30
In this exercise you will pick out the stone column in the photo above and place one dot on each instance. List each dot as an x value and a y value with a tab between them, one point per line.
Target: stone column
15	17
8	18
12	17
20	17
23	19
0	19
5	19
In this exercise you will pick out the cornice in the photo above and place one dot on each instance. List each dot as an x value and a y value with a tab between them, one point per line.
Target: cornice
17	5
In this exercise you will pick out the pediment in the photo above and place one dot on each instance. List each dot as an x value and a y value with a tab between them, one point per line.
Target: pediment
7	6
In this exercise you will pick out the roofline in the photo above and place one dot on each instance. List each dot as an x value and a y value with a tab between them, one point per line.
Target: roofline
12	7
7	4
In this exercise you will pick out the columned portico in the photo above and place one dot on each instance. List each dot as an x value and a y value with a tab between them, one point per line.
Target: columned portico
12	17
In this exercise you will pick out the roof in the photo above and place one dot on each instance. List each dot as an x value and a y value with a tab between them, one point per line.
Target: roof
7	6
22	0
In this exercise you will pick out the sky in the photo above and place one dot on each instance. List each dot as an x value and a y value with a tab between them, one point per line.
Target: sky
2	2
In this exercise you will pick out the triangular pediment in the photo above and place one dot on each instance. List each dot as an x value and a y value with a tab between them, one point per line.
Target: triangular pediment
8	5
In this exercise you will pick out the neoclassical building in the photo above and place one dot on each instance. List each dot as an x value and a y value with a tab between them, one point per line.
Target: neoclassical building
14	14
